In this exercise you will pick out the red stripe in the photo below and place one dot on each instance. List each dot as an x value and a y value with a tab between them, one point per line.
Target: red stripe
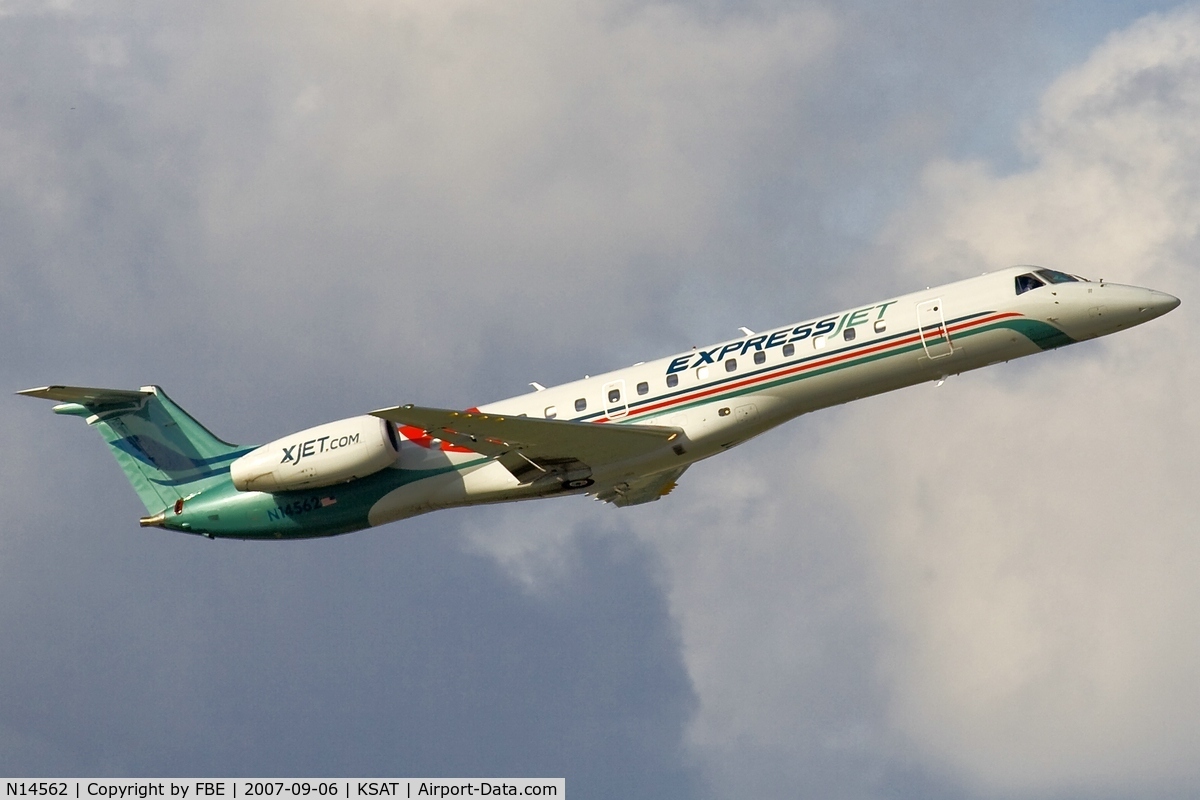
809	366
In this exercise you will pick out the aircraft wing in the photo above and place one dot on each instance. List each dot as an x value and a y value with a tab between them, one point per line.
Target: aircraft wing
537	448
643	490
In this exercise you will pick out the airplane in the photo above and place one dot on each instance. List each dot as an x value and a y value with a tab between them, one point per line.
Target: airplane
624	437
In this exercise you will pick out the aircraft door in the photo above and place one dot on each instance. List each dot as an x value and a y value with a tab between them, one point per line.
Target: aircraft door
931	323
615	404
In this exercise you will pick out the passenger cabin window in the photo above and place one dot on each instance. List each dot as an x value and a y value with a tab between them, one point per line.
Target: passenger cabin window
614	395
643	388
880	326
848	334
702	373
759	357
1054	276
551	412
730	364
1028	282
580	404
672	381
818	342
789	350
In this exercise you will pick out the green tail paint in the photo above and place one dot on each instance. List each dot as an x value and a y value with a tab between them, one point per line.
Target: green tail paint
165	453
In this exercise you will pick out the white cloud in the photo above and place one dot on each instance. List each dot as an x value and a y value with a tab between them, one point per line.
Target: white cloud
386	171
1029	554
990	580
482	157
1037	551
776	621
536	547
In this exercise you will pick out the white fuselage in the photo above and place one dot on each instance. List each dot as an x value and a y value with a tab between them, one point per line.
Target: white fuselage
729	392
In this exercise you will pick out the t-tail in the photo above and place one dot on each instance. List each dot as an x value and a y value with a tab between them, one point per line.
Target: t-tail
166	454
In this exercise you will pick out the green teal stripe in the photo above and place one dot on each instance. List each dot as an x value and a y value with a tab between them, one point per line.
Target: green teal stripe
1042	334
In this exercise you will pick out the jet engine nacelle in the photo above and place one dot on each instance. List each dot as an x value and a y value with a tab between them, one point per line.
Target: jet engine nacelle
322	456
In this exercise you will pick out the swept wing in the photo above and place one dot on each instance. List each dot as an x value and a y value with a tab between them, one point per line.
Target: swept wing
535	449
642	490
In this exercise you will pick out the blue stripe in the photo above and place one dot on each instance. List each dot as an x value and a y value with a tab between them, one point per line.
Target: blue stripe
192	479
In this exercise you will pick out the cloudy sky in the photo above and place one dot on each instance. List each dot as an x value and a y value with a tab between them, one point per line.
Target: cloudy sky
290	212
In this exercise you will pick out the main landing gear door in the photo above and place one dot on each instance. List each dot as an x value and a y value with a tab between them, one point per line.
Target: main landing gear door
931	323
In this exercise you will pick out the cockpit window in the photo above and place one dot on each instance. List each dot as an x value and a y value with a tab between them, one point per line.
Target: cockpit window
1028	282
1054	276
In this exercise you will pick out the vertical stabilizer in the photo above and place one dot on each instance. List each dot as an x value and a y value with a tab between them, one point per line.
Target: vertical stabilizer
165	453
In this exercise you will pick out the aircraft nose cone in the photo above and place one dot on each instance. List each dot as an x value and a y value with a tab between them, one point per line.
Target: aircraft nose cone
1160	303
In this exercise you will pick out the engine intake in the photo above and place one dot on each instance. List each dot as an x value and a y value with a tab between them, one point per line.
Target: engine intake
322	456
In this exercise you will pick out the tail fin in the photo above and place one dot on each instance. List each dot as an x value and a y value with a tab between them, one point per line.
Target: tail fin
166	454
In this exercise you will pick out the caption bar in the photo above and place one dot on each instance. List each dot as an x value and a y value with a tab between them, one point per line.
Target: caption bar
256	789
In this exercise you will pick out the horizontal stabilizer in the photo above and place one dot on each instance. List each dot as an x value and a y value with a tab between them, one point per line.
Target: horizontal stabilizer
86	396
